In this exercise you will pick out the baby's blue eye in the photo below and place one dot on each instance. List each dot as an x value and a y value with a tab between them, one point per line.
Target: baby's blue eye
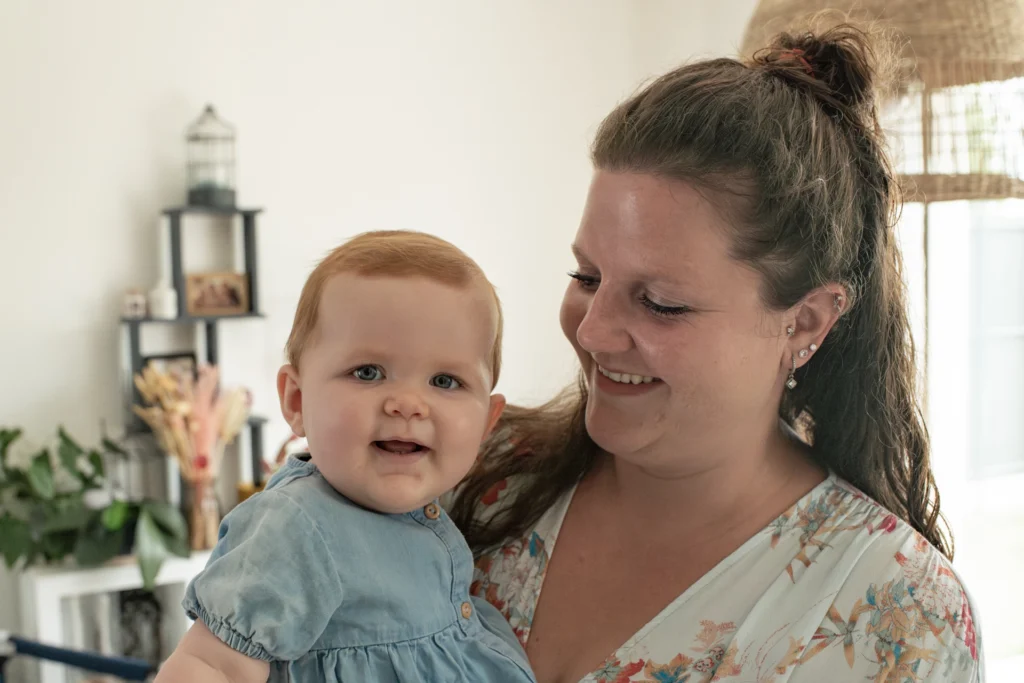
445	382
368	373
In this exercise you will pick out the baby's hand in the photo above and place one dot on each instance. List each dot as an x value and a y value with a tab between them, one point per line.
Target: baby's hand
202	657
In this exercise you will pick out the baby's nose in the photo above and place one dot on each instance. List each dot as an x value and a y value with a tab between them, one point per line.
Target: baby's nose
407	405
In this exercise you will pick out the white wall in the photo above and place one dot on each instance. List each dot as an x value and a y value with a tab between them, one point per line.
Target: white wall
668	32
467	119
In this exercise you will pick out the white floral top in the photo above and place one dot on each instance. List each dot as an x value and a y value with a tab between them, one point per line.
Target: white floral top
836	589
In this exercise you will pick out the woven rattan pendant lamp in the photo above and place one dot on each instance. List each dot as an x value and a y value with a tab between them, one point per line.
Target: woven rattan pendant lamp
956	118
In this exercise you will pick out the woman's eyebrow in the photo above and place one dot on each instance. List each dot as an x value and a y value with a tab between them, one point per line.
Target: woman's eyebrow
578	253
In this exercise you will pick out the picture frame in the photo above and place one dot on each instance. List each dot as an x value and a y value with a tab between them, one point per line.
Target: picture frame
210	294
183	363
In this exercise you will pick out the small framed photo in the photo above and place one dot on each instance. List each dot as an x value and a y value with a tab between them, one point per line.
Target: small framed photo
217	294
181	364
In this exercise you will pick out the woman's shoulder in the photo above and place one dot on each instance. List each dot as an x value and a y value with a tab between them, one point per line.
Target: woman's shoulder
896	589
880	545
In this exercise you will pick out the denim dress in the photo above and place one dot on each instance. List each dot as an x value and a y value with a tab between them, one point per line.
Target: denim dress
325	590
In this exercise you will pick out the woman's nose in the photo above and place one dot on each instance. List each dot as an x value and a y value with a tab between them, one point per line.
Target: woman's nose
407	405
603	328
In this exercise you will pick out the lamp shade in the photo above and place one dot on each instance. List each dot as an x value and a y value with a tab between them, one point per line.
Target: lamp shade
956	118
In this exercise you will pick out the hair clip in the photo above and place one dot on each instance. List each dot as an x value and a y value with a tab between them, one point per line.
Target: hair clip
798	54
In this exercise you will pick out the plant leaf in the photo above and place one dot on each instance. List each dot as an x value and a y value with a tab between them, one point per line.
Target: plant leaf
150	549
15	539
67	514
7	437
168	518
57	545
98	471
178	545
40	476
112	447
97	544
69	452
172	526
16	479
115	515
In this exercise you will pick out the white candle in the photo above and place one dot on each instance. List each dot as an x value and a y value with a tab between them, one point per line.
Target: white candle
243	447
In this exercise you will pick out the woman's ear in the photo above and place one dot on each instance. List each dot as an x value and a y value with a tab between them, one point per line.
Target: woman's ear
811	320
289	393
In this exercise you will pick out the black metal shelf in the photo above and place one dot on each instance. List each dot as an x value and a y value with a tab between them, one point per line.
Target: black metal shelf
133	326
211	211
191	319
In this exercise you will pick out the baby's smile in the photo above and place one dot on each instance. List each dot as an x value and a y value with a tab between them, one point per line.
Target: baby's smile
402	448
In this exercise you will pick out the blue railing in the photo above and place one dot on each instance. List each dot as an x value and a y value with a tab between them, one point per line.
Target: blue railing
125	668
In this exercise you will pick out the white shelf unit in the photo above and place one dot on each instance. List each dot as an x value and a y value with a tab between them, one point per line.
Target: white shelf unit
51	602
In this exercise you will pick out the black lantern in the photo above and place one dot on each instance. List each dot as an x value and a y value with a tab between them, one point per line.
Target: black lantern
211	162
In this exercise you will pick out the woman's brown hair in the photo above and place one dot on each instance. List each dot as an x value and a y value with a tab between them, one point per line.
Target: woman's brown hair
789	144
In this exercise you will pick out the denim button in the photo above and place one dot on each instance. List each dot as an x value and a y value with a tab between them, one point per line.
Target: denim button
467	610
432	511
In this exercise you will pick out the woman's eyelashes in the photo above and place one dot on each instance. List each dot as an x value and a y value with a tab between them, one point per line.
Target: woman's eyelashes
661	309
584	281
591	282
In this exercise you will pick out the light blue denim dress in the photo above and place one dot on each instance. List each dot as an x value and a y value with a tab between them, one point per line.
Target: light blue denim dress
327	591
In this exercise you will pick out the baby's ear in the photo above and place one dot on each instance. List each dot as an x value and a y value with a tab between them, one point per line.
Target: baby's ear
290	395
494	412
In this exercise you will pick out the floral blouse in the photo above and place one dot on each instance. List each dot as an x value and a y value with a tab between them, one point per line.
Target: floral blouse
835	589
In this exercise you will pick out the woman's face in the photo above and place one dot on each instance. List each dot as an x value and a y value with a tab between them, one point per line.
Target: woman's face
681	357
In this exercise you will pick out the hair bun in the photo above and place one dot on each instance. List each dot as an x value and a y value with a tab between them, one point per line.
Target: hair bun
840	60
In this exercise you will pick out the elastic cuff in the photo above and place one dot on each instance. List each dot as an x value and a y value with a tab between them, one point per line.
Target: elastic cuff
232	638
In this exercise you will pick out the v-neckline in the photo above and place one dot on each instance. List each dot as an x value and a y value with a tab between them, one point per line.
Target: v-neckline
561	509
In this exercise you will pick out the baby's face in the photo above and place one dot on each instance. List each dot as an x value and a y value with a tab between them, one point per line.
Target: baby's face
395	388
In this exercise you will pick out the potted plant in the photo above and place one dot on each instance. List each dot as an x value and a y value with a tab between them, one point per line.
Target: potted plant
54	508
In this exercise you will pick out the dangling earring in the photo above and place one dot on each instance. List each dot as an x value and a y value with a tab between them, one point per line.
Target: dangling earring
791	382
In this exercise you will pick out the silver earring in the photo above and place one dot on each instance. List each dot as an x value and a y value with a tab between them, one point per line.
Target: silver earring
803	353
839	302
790	331
814	347
791	382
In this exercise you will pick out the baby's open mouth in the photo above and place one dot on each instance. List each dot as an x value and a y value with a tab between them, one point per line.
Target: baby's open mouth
400	447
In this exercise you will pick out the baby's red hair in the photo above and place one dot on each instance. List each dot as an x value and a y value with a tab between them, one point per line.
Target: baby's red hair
393	253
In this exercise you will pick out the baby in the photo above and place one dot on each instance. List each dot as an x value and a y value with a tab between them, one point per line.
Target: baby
346	568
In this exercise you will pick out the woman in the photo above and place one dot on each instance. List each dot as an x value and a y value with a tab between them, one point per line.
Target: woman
740	489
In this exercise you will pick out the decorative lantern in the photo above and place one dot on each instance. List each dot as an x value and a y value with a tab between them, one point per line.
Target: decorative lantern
211	162
958	109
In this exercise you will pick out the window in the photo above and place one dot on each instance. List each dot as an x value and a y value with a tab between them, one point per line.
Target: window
975	394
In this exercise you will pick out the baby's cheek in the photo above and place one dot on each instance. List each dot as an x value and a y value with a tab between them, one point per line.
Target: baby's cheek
466	424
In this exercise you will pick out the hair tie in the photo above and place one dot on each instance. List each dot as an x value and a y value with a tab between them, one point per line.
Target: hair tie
798	54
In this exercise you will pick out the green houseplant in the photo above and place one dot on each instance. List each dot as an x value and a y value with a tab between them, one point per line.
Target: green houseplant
49	511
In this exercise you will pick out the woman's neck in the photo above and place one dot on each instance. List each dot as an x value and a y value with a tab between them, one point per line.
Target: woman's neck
708	493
